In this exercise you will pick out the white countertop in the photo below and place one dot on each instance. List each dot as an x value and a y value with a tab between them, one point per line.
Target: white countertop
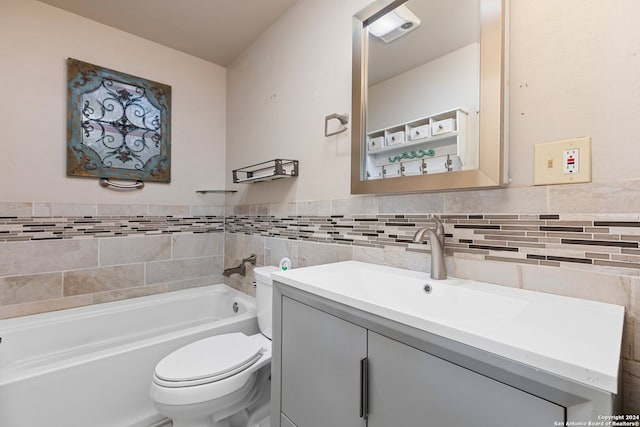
568	337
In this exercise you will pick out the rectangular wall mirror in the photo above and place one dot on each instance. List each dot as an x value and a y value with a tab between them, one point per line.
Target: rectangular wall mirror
428	96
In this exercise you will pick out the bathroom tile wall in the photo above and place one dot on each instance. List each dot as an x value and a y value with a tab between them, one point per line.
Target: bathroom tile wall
58	255
594	283
535	238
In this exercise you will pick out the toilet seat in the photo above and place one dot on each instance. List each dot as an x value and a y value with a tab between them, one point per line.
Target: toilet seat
208	360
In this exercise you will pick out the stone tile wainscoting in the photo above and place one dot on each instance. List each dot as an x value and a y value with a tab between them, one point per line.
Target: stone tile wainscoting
57	256
592	256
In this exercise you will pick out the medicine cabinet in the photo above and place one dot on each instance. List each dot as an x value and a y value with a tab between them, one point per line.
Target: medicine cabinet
428	96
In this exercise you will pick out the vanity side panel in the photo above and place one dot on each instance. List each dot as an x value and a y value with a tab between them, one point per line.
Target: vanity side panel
276	358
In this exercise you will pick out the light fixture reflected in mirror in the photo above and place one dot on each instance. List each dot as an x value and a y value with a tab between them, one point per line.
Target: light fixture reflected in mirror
394	24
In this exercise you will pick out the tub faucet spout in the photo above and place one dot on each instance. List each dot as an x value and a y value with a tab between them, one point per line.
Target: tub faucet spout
436	239
241	269
233	270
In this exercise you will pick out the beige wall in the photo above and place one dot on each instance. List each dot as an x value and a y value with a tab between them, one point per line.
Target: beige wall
445	83
573	72
279	92
35	41
574	67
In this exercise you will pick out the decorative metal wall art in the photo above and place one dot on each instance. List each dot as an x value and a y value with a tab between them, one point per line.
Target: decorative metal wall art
118	125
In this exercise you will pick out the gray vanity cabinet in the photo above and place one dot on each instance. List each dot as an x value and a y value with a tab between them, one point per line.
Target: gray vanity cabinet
321	384
320	374
409	387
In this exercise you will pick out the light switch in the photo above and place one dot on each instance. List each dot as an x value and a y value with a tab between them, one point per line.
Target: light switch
562	162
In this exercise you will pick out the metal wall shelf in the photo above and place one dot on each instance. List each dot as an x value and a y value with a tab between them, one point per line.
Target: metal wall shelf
266	171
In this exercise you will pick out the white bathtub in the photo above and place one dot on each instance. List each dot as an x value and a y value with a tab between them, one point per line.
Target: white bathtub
92	366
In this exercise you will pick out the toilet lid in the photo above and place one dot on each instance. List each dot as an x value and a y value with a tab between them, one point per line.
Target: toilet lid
210	359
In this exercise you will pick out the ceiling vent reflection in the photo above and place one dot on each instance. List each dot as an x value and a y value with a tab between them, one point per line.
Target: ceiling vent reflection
394	24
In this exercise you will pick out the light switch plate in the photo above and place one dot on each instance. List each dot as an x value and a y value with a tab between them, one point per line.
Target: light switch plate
550	162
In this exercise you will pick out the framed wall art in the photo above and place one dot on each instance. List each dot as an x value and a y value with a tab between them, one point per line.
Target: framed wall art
118	125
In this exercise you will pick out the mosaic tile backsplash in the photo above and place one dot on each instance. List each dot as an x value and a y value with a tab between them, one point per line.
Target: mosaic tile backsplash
546	239
55	228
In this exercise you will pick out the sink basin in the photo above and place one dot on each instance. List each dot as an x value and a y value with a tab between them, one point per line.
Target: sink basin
570	337
404	291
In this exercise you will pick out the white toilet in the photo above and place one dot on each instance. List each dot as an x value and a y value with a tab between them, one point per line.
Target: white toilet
220	381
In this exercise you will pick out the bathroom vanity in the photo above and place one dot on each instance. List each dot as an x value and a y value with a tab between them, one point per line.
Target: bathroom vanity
358	344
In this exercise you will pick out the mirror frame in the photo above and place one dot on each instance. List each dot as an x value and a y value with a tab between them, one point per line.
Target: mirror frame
492	149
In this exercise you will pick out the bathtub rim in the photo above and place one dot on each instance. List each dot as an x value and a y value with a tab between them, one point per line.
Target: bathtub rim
33	320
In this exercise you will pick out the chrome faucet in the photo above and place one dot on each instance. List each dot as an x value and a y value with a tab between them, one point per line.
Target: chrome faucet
436	239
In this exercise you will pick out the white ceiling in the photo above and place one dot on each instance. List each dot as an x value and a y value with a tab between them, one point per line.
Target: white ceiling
446	26
214	30
219	30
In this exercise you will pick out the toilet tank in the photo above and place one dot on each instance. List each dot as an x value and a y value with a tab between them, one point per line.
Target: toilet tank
264	297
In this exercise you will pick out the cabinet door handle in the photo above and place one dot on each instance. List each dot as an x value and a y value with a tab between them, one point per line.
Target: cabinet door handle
364	388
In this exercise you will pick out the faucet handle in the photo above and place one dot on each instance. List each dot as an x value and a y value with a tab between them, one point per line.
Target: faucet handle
439	229
439	225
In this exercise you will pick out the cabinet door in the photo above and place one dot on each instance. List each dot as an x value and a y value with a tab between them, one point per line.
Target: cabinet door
411	388
320	367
